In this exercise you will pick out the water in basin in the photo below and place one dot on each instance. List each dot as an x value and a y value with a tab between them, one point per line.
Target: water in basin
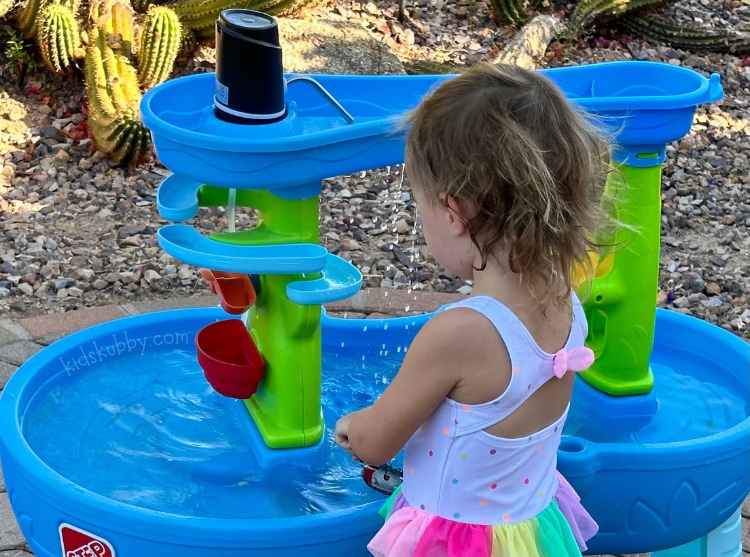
147	430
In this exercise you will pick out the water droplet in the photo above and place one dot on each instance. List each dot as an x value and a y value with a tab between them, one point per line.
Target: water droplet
342	345
385	327
364	328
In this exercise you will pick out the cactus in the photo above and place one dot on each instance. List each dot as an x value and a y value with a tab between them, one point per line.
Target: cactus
6	6
691	38
112	89
160	43
27	18
188	42
58	37
142	6
425	67
590	11
513	12
200	15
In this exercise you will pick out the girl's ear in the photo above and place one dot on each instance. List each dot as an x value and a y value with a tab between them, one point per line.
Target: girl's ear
460	211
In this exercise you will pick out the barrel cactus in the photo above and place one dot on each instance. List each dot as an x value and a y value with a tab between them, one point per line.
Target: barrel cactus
112	90
160	43
58	37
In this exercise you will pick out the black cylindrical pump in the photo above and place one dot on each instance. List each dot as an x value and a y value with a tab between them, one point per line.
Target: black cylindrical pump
250	83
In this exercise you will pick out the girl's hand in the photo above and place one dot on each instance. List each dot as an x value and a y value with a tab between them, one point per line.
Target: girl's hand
341	435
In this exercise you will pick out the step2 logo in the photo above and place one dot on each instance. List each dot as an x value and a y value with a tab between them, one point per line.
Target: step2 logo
79	543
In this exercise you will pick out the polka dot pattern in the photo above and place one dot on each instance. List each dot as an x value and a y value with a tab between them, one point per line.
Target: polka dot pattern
472	470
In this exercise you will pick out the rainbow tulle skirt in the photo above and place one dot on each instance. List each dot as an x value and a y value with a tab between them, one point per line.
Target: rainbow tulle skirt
560	530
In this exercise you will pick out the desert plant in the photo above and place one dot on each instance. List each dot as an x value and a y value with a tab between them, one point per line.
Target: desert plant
661	30
159	45
514	12
112	89
587	14
15	50
117	56
200	15
6	6
58	37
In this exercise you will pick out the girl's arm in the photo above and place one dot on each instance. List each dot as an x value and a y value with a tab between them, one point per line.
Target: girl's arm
434	364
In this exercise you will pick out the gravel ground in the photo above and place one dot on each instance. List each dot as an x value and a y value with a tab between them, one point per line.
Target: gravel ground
76	232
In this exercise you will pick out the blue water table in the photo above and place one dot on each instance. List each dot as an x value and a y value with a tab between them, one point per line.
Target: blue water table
136	452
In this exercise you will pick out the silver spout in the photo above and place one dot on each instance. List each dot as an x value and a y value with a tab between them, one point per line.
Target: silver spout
333	102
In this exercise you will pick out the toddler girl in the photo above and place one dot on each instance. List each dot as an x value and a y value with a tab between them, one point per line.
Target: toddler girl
508	178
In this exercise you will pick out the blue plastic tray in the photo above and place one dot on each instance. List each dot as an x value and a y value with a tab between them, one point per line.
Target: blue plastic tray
649	103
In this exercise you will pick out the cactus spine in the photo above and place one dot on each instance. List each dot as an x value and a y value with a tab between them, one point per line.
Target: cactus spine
58	37
692	38
112	88
160	42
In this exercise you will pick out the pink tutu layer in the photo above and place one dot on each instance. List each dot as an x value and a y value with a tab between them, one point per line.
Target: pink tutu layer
410	532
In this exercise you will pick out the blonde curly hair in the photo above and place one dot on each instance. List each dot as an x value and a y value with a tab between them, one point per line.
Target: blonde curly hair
533	165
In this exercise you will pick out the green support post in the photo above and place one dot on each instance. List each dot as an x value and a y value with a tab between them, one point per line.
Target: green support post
287	407
620	308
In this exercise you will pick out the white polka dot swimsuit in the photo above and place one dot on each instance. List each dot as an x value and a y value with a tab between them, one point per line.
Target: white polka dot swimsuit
455	470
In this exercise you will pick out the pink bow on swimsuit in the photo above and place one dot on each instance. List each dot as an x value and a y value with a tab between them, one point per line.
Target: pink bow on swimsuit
577	359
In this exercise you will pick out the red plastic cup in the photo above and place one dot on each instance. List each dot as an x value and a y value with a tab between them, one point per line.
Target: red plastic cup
229	358
235	290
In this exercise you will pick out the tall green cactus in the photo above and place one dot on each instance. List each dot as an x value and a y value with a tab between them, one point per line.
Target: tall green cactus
58	37
160	43
112	89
